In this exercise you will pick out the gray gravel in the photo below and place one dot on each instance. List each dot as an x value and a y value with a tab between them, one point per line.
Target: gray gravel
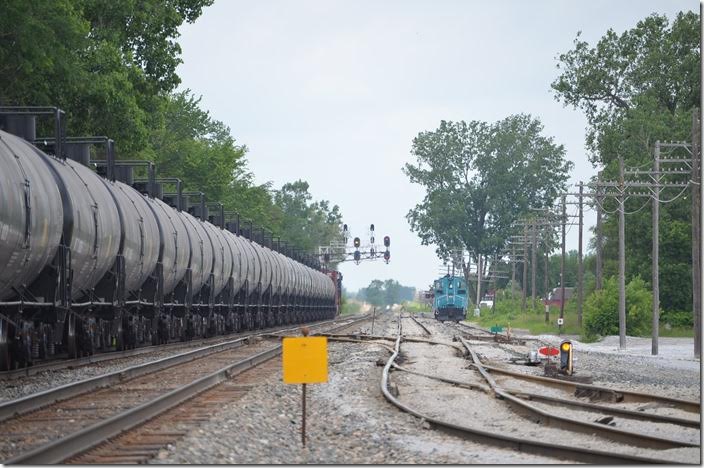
348	422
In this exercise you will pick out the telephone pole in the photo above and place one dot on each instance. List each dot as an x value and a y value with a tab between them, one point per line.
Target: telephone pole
580	267
697	226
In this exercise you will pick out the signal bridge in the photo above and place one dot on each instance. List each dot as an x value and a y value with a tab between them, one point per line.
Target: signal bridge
339	251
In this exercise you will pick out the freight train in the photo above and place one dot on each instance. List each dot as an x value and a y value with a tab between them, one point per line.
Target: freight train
94	259
450	298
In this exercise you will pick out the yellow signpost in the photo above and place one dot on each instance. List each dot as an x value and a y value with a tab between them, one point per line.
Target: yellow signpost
305	360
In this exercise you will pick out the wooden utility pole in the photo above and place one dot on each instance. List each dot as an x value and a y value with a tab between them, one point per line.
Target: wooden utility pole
656	250
697	226
546	280
621	258
533	261
562	260
525	267
513	269
580	267
599	257
479	280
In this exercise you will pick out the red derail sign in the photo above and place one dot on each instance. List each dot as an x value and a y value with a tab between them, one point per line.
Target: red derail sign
549	351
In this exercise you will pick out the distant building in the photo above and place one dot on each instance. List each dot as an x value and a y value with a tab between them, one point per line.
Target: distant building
555	298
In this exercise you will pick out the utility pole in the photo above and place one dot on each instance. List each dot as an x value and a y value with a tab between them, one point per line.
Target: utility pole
697	226
562	261
547	284
599	255
525	267
513	269
621	258
580	268
656	251
533	262
479	280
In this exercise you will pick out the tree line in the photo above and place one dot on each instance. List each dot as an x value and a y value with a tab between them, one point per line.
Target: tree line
480	178
111	65
382	293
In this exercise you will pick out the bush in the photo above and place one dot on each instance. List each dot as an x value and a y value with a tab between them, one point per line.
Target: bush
601	310
677	318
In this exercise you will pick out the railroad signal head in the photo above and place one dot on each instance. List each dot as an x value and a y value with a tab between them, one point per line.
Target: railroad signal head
326	258
387	241
371	239
371	228
357	256
357	242
372	252
387	256
566	357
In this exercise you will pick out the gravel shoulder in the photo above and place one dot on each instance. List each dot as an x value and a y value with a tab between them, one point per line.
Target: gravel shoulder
349	422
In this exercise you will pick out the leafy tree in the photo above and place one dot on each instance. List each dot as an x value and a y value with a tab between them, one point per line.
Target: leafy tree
479	179
109	64
635	88
599	307
382	293
305	223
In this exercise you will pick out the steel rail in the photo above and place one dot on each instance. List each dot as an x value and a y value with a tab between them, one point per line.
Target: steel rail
425	329
624	396
38	400
585	427
61	364
638	415
537	447
87	438
625	413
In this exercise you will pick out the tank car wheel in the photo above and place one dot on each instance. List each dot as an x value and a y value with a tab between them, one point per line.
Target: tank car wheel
5	362
71	340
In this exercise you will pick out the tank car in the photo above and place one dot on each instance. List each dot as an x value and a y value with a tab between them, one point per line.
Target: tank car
450	298
96	260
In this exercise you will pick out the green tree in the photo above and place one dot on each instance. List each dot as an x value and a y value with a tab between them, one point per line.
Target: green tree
305	223
109	64
635	88
479	179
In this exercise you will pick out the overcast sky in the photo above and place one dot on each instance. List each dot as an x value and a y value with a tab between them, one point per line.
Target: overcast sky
333	92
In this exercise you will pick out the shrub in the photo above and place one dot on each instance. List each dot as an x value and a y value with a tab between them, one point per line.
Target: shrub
677	318
601	309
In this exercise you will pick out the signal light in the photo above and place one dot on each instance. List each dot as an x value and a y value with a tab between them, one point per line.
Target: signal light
357	242
371	228
387	256
387	241
372	252
357	256
371	239
326	257
566	357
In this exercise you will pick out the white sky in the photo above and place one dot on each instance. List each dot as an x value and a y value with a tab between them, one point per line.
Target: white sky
333	92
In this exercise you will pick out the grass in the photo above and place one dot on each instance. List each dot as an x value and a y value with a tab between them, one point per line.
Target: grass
416	307
677	332
350	307
508	312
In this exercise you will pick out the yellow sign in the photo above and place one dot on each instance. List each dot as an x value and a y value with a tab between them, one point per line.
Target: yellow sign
305	360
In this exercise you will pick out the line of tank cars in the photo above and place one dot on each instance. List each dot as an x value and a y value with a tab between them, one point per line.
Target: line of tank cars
92	259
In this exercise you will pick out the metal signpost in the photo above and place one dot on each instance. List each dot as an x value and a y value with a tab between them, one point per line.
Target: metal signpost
305	361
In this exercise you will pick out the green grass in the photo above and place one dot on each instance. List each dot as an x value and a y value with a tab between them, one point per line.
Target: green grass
508	312
677	332
350	307
416	307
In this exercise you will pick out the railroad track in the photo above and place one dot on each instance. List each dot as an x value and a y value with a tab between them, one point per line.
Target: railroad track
64	422
107	356
561	450
417	322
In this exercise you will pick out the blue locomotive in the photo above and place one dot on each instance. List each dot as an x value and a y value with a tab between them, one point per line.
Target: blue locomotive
450	302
